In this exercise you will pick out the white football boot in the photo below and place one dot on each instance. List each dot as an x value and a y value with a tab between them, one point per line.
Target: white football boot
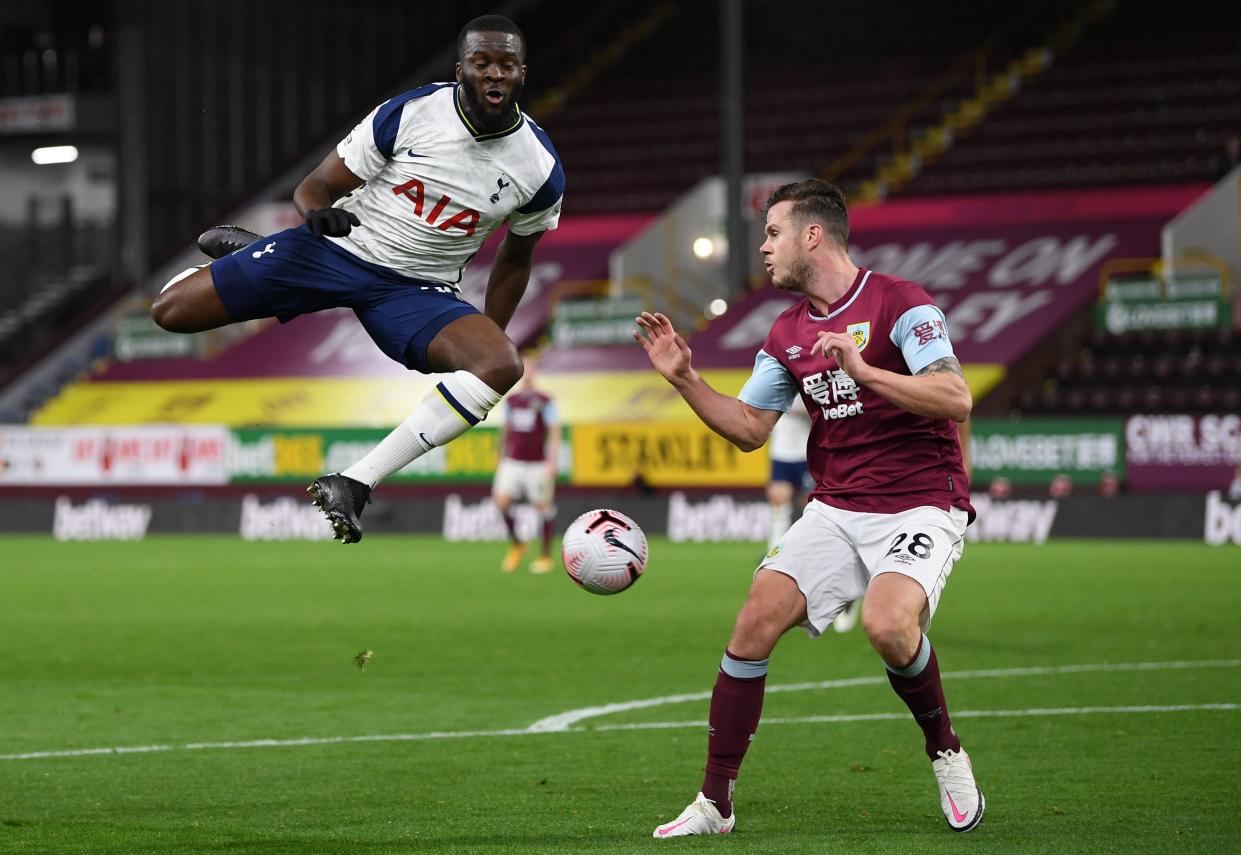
962	802
701	817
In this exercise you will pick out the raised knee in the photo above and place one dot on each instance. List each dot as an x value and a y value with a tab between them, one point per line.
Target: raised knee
172	308
505	370
169	314
162	313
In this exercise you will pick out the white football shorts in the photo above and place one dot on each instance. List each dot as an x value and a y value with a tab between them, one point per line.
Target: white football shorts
832	555
524	481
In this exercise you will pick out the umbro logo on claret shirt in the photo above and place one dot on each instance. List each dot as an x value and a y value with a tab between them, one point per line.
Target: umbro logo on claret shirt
794	351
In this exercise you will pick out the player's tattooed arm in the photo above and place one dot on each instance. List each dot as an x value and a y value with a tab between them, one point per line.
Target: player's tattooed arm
948	364
939	390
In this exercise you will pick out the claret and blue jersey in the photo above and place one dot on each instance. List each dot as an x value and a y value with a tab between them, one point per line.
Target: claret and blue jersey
528	416
865	453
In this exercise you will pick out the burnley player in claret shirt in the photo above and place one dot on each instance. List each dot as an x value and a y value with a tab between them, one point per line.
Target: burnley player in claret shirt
527	469
870	357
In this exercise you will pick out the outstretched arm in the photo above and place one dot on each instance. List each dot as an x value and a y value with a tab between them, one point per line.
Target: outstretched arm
510	274
939	390
744	426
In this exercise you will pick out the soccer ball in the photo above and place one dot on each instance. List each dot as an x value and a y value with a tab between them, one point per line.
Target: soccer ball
604	551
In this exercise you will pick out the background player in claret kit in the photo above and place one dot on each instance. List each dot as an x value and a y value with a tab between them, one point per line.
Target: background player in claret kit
870	357
392	216
527	470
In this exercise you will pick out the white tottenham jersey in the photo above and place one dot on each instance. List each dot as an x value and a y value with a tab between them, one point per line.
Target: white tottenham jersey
434	190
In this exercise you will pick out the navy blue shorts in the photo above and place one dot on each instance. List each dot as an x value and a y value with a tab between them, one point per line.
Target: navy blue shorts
294	273
797	474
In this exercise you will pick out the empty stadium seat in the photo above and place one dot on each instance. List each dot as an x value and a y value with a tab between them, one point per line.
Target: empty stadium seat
1173	370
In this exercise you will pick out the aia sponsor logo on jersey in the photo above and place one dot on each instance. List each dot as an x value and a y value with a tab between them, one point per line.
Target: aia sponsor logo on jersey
416	191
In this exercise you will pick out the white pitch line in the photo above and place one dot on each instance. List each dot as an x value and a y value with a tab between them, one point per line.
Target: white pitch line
566	720
645	725
272	743
563	723
838	719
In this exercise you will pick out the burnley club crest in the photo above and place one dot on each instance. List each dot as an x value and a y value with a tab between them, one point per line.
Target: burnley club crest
860	333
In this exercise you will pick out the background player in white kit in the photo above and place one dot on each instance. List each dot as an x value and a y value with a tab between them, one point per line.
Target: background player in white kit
870	357
790	480
392	216
529	456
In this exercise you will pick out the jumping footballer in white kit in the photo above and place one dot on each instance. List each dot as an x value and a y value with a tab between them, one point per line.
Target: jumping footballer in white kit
392	216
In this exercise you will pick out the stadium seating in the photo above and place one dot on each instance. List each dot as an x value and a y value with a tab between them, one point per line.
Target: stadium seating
1121	107
1149	95
647	128
1193	371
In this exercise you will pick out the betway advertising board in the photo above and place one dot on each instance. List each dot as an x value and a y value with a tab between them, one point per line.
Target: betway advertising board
744	517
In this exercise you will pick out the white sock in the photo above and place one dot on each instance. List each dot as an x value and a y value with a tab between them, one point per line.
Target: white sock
781	519
455	405
182	275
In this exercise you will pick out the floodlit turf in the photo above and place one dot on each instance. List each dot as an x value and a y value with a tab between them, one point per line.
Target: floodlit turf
173	642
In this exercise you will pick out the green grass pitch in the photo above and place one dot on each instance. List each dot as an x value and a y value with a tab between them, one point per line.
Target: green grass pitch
194	650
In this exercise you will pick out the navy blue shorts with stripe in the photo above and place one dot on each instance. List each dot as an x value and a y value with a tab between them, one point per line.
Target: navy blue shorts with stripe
294	273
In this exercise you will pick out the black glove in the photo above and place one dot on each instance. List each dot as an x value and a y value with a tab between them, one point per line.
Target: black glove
331	222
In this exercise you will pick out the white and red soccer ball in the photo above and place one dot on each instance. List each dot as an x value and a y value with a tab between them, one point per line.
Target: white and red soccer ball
604	551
